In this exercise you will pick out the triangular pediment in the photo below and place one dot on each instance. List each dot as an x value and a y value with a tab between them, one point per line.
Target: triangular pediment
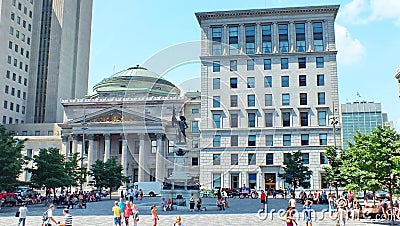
115	115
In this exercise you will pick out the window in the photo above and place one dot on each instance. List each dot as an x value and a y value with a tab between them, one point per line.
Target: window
5	104
233	40
250	65
269	140
217	141
216	83
24	95
268	81
153	146
171	145
234	120
251	100
250	39
233	65
19	79
17	34
286	119
29	27
287	139
300	37
304	139
27	54
216	102
268	99
284	63
285	99
216	38
234	100
16	48
283	38
217	120
28	41
269	119
320	80
322	118
234	159
304	118
13	91
267	64
19	93
11	31
233	83
216	159
266	39
234	140
19	6
216	66
195	110
323	139
23	111
318	36
270	159
305	158
251	82
4	120
251	158
195	161
9	59
251	119
319	62
321	98
24	23
14	77
195	126
322	159
285	81
6	88
251	140
18	20
302	62
15	62
10	120
11	106
12	16
303	98
216	180
8	73
195	144
302	80
10	44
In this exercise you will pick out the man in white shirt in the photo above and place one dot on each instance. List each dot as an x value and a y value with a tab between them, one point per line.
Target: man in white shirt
292	202
49	213
22	214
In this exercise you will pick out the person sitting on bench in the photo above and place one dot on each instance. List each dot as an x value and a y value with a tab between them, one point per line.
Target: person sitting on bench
220	204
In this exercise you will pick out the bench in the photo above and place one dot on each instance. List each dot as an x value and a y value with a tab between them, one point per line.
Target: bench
209	208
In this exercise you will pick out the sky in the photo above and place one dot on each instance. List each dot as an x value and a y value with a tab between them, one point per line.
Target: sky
126	33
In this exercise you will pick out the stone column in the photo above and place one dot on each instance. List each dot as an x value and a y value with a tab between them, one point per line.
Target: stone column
258	38
160	170
325	35
292	37
65	145
90	151
124	156
275	38
75	143
309	36
142	158
225	40
241	39
107	146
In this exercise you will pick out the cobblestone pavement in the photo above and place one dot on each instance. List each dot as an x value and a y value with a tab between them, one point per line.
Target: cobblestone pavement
241	212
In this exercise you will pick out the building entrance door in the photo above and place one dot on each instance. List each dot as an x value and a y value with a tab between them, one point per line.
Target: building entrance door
270	181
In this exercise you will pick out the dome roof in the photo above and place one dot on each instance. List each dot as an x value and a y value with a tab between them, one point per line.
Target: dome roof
136	79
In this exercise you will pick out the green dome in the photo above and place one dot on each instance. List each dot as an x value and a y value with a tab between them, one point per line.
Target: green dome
136	80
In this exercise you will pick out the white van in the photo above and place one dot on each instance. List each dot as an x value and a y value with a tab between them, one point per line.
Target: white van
149	188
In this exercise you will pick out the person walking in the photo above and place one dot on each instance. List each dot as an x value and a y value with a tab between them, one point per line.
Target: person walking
307	212
154	215
67	218
127	212
22	214
191	203
121	205
48	216
135	213
263	198
292	202
117	214
289	216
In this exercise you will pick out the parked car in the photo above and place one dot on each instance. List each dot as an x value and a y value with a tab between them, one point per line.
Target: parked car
360	195
381	194
103	192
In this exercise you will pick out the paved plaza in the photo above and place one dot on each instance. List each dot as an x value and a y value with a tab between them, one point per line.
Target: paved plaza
241	212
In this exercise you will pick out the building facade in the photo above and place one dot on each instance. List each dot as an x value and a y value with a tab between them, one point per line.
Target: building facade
15	40
269	87
59	57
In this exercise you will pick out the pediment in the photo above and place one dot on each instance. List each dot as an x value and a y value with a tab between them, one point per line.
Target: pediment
116	115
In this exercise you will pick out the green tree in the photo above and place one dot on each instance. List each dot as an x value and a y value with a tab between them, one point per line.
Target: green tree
73	169
295	172
49	170
107	174
11	160
370	162
332	172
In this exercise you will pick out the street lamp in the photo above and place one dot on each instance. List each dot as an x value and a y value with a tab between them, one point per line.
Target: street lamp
84	127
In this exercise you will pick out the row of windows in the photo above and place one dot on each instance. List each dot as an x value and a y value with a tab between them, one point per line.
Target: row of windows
269	140
18	49
24	23
15	63
11	107
14	92
14	78
285	98
20	35
285	81
11	120
269	159
301	64
267	38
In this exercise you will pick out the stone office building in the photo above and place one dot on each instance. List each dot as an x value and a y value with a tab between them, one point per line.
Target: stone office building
269	86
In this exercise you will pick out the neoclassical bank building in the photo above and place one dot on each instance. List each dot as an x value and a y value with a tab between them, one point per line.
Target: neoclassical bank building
133	115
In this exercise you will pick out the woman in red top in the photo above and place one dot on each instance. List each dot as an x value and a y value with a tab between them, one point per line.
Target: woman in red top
127	212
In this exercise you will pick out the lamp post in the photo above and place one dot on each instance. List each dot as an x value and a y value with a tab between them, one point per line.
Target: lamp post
84	127
334	121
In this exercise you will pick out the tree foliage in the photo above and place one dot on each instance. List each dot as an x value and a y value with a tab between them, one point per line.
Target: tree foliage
11	160
107	174
73	169
333	171
371	159
295	172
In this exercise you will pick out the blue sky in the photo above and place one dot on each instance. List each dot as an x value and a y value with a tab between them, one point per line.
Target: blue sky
128	32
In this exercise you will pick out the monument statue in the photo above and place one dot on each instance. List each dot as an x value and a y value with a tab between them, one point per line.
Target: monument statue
182	126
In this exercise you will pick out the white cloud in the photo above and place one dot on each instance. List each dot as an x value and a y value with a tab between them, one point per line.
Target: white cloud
349	50
365	11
